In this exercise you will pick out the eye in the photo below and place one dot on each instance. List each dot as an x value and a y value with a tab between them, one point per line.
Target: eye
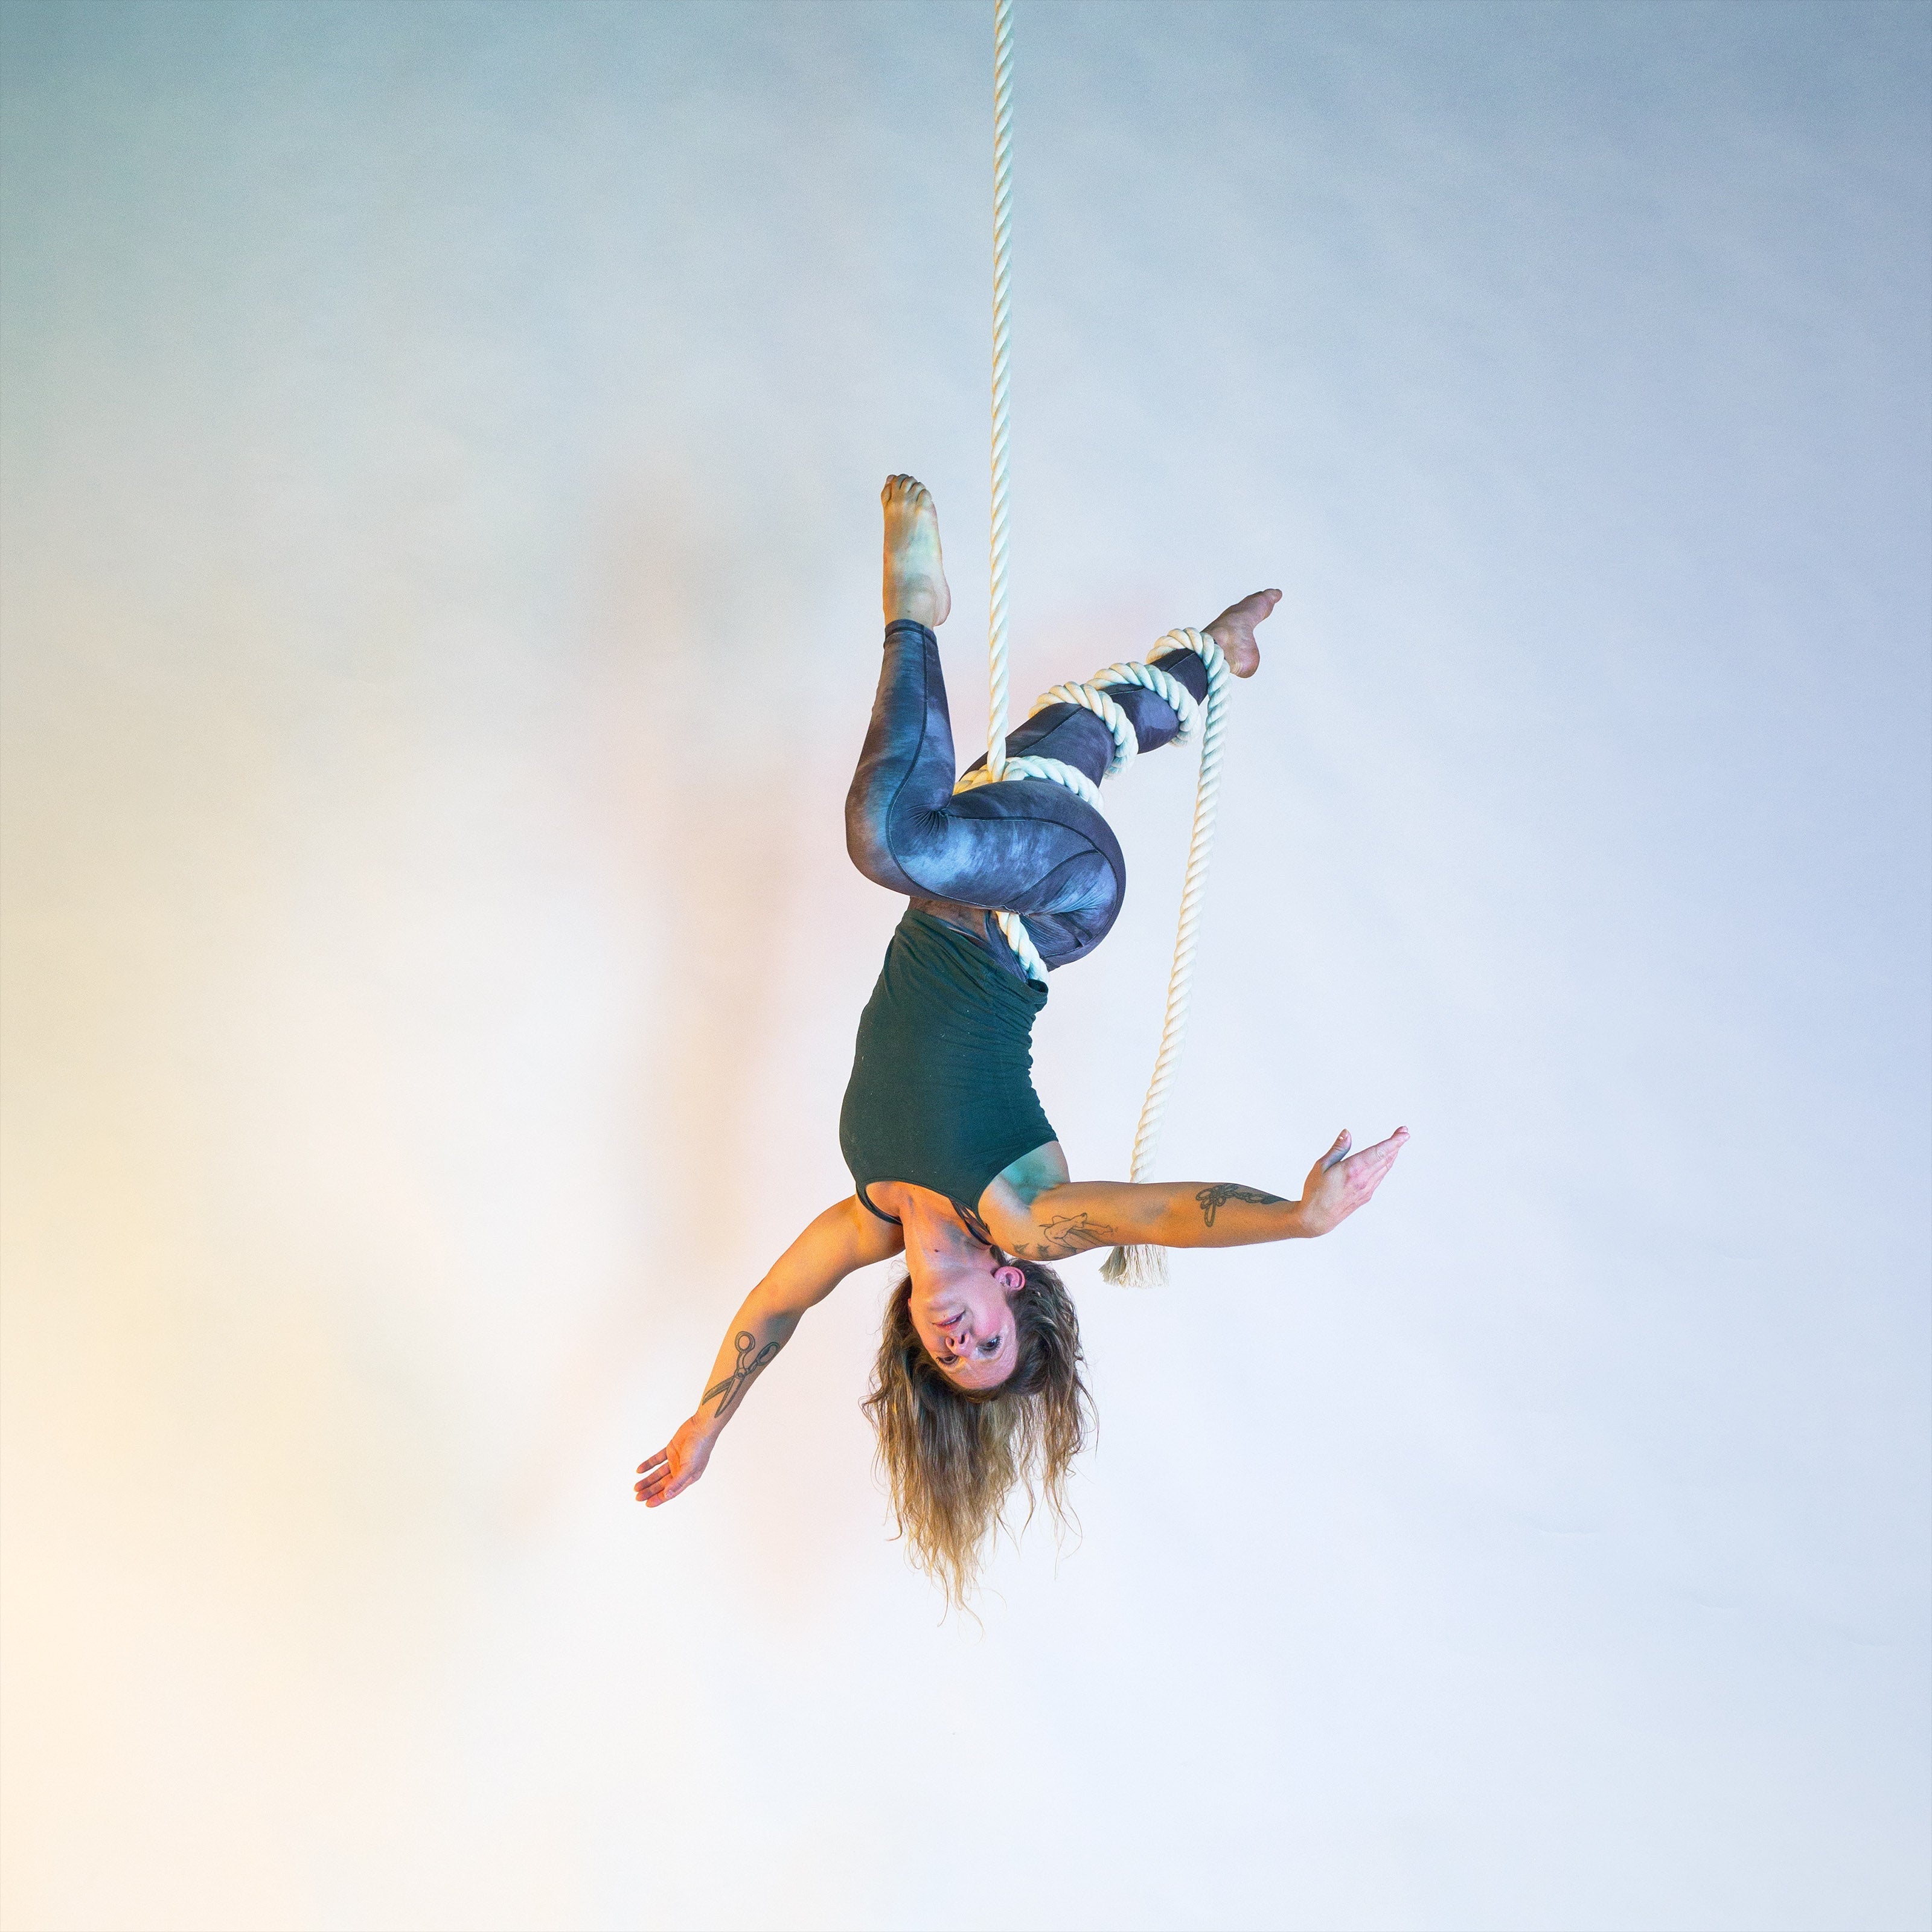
992	1348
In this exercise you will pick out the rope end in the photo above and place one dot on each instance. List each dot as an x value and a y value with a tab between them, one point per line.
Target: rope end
1137	1267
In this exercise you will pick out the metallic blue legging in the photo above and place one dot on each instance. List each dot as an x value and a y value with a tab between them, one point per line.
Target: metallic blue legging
1026	845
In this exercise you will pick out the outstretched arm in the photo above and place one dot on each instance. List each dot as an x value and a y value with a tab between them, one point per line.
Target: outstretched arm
841	1241
1082	1214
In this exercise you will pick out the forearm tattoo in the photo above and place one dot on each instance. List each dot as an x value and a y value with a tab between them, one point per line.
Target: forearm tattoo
1214	1199
1066	1234
748	1365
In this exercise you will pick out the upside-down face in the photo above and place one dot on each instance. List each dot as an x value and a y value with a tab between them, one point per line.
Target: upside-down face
962	1311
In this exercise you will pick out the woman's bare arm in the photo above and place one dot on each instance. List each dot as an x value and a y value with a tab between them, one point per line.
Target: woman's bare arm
841	1241
1081	1214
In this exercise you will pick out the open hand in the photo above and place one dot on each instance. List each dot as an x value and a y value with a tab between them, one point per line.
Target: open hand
677	1465
1340	1182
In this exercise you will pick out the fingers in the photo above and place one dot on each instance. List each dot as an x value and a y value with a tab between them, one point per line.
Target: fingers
1365	1169
1337	1151
1383	1152
1371	1164
659	1479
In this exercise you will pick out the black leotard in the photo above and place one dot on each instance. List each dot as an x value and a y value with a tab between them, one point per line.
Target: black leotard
941	1094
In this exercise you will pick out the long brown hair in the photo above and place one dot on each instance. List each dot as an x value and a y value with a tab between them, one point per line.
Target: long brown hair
952	1456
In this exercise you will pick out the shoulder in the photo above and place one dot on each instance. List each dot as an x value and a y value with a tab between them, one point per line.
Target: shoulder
840	1240
1007	1205
873	1233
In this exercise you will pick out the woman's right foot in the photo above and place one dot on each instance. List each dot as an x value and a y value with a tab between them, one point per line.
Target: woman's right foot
915	572
1233	631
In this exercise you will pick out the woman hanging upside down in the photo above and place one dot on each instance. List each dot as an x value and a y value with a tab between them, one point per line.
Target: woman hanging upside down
977	1385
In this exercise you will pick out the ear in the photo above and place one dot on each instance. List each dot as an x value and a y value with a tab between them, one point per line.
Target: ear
1010	1278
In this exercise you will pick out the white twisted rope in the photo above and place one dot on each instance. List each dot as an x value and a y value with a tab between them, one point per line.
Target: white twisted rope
1147	1266
1053	769
1024	951
1138	1264
1092	696
1003	248
1149	676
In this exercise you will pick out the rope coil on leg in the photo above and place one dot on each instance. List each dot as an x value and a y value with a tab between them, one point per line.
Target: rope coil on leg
1149	675
1092	696
1024	766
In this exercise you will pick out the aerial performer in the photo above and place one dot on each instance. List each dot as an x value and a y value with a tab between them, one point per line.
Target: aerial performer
977	1388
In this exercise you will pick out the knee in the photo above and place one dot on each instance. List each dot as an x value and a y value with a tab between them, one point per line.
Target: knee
867	842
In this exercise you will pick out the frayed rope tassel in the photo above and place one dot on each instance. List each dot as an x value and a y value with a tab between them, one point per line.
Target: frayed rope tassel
1139	1267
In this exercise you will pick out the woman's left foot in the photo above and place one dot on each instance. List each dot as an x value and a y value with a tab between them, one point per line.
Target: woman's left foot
1233	631
915	570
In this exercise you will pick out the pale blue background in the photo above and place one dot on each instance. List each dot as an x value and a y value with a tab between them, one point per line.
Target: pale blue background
441	448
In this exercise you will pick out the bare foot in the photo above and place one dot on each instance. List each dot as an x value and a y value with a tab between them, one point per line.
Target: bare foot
1233	631
915	570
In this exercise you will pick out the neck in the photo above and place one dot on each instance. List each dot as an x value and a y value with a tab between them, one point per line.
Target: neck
937	1242
935	1224
922	1211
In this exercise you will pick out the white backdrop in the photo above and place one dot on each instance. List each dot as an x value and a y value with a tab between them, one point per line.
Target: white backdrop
441	452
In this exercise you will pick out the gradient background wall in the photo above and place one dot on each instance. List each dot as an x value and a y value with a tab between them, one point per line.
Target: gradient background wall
442	445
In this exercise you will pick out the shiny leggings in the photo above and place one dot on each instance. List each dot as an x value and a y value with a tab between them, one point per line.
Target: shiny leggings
1026	845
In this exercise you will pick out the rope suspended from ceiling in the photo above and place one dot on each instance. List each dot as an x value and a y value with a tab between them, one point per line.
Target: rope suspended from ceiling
1144	1265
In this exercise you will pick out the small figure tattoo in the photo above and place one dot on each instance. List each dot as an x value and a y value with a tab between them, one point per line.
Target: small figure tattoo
1067	1235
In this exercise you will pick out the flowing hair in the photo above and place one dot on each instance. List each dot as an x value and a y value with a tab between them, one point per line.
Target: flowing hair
952	1456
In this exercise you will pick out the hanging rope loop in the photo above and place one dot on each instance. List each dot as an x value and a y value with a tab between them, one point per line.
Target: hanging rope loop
1146	1266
